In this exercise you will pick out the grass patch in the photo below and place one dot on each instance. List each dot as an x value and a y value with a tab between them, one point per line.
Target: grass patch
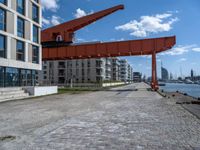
79	90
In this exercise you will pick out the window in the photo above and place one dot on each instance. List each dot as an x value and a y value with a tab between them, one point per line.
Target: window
20	27
3	2
35	34
12	77
2	19
20	51
20	6
35	54
35	13
2	46
2	76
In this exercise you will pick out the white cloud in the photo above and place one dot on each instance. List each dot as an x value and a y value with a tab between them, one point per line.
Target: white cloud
45	21
149	24
182	59
196	49
50	5
180	49
55	20
81	13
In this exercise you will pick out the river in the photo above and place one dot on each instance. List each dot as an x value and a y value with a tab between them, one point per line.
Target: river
190	89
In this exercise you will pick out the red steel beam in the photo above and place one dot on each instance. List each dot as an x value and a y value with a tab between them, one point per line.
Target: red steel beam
67	29
109	49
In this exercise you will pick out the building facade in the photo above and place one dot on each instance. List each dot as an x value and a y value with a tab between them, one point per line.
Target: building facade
164	74
81	71
115	72
124	70
137	77
20	48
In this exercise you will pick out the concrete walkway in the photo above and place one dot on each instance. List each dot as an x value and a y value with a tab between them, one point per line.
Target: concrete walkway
120	118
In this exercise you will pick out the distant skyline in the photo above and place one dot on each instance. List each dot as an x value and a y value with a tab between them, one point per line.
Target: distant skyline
140	19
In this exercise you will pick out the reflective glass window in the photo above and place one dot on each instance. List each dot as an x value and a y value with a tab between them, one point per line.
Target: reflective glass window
21	6
2	46
35	50
20	51
35	34
3	2
20	27
2	75
2	19
12	77
35	13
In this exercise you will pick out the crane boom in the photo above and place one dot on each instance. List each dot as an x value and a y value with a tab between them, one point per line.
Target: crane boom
65	31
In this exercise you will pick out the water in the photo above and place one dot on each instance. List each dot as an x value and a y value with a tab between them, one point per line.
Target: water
190	89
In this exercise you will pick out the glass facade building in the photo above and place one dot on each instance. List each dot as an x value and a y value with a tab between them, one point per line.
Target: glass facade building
20	48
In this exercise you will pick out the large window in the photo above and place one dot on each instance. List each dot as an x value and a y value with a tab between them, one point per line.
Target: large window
35	13
35	34
21	6
20	51
20	27
2	19
12	77
3	2
2	46
35	54
2	75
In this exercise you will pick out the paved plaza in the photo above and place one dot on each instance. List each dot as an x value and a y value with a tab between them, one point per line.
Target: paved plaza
120	118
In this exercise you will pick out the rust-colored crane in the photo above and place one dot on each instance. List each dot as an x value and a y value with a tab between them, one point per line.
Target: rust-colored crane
58	44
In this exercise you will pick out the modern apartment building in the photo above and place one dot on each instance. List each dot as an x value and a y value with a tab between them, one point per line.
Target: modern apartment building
20	49
83	71
80	71
115	74
123	70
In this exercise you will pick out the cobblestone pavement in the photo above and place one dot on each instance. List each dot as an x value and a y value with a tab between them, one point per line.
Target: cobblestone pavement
120	118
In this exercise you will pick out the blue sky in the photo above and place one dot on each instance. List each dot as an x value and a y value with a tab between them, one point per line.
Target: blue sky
140	19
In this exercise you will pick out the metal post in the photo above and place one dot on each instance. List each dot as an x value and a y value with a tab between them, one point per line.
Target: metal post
154	83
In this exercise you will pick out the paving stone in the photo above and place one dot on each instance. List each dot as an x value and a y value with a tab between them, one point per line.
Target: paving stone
99	120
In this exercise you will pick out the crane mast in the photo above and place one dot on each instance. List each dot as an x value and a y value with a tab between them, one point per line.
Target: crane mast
63	34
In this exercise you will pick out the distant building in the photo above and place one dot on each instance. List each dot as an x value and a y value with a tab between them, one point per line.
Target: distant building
80	71
115	72
171	76
192	74
164	74
83	71
137	77
124	70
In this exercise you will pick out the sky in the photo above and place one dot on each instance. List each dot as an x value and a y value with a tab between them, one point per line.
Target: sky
140	19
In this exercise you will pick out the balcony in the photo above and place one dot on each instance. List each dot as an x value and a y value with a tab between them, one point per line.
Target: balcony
61	74
61	66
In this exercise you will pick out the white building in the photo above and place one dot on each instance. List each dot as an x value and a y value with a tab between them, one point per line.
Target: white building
82	71
20	49
115	74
